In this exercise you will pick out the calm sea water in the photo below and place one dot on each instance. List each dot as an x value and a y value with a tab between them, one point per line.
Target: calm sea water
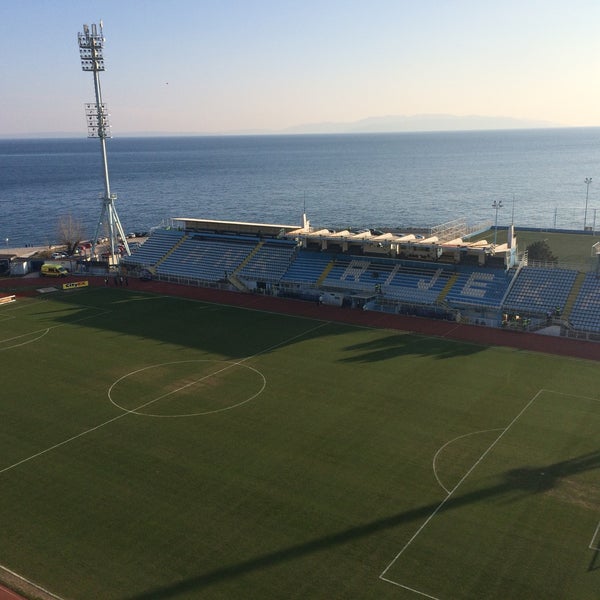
400	180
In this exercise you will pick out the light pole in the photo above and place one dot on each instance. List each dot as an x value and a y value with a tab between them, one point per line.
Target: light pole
587	182
91	47
6	240
496	205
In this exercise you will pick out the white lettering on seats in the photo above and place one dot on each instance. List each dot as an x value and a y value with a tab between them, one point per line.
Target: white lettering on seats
477	285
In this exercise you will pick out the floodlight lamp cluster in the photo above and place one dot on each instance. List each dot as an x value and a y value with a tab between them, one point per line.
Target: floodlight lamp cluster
91	44
97	120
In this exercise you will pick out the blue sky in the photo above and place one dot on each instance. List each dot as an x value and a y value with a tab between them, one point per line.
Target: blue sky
231	65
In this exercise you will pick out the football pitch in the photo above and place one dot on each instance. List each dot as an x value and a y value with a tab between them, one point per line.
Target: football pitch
153	447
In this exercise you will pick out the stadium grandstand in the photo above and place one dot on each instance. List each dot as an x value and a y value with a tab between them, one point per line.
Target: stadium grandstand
436	273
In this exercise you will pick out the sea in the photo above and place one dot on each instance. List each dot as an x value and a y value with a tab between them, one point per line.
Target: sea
398	180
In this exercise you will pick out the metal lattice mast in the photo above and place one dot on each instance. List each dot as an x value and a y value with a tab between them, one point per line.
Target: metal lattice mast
91	45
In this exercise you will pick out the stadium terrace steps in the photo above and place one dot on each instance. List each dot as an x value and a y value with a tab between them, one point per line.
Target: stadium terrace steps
479	288
540	290
530	291
171	250
403	281
268	262
585	313
154	248
573	295
206	259
325	273
246	260
307	267
449	284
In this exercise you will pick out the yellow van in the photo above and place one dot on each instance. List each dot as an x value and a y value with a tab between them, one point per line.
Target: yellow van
53	270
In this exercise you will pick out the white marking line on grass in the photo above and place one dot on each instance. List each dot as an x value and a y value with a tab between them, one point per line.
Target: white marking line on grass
124	414
408	588
228	366
460	437
451	493
593	545
21	305
44	332
29	582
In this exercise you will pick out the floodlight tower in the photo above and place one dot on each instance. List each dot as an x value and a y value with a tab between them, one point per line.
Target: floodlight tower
91	44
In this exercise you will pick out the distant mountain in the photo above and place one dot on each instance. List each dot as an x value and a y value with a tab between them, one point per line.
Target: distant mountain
388	124
435	122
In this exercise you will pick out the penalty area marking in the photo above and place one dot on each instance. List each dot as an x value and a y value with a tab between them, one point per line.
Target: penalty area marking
593	544
228	366
460	437
43	332
439	507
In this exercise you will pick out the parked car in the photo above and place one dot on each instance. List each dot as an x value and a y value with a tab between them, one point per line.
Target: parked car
51	270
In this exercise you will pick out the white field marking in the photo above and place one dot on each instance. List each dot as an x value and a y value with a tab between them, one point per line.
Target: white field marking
28	341
451	442
228	366
140	299
452	330
408	588
47	330
29	582
593	545
74	437
453	490
22	304
573	395
124	414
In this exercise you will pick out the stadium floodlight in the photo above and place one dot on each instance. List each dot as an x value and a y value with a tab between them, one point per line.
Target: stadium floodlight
497	205
587	182
91	47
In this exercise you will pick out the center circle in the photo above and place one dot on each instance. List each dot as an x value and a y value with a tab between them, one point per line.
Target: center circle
180	388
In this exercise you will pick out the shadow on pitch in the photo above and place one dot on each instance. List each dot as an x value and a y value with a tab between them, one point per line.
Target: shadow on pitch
526	481
228	330
394	345
595	562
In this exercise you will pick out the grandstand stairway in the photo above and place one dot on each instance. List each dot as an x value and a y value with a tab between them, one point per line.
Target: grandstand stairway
248	258
325	273
231	277
171	250
573	295
449	284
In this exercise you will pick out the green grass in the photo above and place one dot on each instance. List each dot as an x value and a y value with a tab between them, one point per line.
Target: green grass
571	249
317	454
